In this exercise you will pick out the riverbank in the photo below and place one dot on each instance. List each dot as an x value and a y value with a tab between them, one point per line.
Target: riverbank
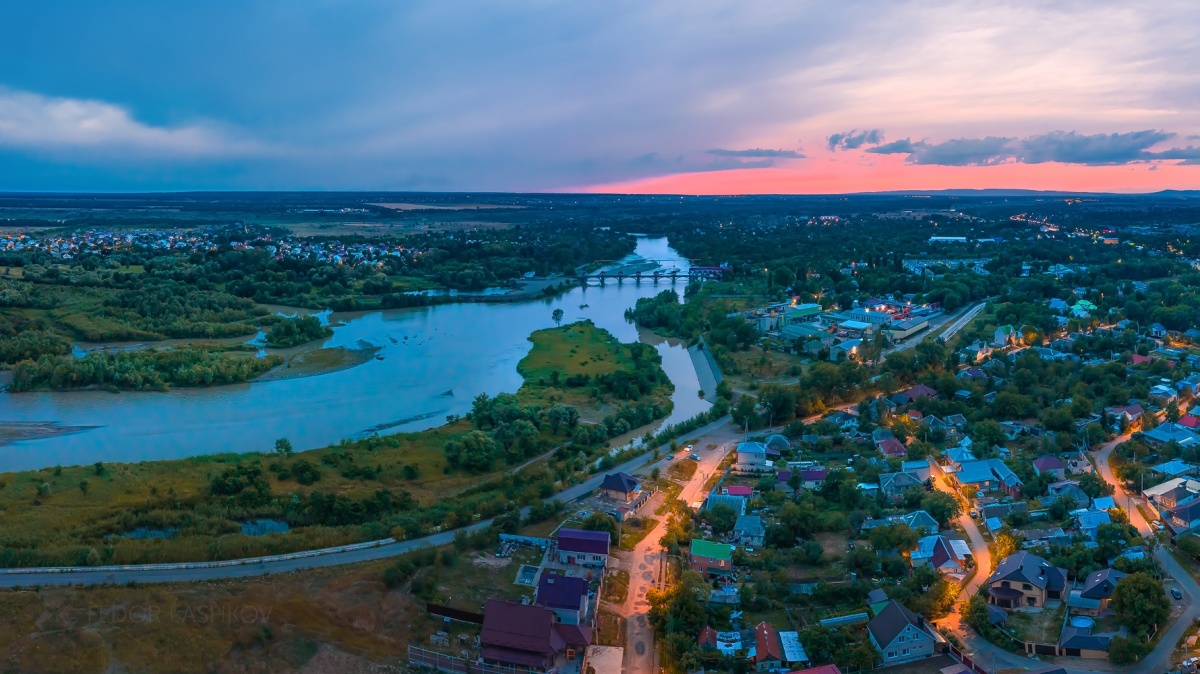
407	484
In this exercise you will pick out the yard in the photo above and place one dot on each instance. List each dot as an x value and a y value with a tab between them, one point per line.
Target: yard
1044	626
616	587
634	530
610	629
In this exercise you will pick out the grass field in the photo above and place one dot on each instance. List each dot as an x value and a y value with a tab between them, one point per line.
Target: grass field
70	515
579	348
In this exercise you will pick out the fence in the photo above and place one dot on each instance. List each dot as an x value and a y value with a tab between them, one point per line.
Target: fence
454	613
966	660
422	657
542	543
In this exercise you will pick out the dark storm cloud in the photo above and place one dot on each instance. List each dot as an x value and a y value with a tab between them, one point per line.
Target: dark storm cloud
852	140
756	152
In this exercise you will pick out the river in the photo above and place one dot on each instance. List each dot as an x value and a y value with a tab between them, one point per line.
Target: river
440	359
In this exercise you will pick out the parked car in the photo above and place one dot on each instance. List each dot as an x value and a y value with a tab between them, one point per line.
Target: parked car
974	514
1176	593
670	457
694	456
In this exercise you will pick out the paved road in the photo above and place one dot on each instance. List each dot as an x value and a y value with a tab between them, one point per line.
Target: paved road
1183	613
257	566
647	561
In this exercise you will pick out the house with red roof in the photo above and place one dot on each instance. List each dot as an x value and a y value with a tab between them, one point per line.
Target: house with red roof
892	447
1137	359
768	651
739	490
518	635
1049	465
1188	421
823	669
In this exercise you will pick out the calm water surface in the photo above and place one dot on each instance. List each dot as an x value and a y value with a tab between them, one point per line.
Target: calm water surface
441	358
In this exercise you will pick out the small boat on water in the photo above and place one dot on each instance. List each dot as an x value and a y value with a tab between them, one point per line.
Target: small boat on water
584	306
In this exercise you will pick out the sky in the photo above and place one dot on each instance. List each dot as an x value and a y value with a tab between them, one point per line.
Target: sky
694	97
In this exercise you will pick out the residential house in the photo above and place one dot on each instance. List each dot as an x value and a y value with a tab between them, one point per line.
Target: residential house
912	393
621	487
894	485
1166	432
918	468
1049	465
768	651
578	547
880	434
1002	510
900	635
847	350
813	478
1089	522
972	374
752	458
567	596
739	490
1129	414
1005	335
1080	642
963	395
529	637
958	421
988	475
1097	590
877	600
892	447
1173	493
711	559
750	531
880	409
936	552
731	501
917	520
823	669
1024	579
977	351
1068	489
1059	306
1184	518
1175	468
956	456
1158	330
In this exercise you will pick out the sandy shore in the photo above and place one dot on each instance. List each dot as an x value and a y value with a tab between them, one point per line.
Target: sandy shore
317	362
16	431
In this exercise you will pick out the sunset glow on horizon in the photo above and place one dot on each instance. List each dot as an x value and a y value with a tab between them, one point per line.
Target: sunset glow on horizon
718	97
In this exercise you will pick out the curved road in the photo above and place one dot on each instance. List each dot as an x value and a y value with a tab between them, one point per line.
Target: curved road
257	566
1183	614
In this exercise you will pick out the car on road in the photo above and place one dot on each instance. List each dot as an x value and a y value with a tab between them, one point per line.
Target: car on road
1157	525
974	514
688	448
1176	593
694	456
670	457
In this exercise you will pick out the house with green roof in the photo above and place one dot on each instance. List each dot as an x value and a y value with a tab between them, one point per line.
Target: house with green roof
711	559
1004	335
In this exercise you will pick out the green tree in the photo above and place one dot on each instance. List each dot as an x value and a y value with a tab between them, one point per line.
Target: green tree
283	447
1189	545
942	507
557	316
1140	602
720	517
599	521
